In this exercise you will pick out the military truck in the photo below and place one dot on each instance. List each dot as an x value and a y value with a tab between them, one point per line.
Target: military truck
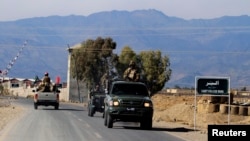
47	97
127	101
95	102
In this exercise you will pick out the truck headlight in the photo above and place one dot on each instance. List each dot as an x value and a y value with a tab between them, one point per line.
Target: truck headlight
113	103
147	104
116	103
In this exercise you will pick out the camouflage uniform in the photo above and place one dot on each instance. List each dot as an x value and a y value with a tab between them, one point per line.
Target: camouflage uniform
131	73
45	85
46	80
105	81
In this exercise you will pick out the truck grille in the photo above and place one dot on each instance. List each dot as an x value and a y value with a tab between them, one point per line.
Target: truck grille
131	102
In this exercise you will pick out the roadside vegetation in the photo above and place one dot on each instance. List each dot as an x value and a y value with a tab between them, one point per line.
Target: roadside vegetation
95	60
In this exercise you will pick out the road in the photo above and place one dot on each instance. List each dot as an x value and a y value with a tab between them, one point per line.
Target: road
72	123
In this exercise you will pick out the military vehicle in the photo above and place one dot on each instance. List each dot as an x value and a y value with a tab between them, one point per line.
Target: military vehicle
96	103
47	97
128	101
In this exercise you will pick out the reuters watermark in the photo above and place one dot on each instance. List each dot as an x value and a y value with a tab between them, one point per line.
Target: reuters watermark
241	132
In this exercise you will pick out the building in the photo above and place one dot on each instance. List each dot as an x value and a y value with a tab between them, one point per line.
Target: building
77	90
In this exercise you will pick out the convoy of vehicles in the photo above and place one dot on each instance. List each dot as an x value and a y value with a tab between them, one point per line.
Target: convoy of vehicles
122	101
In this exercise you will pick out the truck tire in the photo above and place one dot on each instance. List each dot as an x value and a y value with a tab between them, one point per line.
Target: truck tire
92	111
105	119
88	111
35	106
146	124
109	121
56	106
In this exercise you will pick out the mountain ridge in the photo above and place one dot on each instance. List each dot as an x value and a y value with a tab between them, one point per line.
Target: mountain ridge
209	47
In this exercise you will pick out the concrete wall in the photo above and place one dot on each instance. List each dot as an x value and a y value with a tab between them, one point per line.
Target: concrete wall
77	91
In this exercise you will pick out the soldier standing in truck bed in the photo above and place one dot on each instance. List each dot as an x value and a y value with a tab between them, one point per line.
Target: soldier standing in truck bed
46	79
46	83
131	73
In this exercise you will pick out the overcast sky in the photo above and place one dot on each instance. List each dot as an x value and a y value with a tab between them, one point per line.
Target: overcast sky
186	9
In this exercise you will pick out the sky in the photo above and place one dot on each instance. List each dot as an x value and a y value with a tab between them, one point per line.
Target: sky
11	10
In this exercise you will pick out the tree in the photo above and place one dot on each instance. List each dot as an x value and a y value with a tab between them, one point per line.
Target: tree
1	88
95	60
155	70
91	61
153	67
127	54
36	79
244	89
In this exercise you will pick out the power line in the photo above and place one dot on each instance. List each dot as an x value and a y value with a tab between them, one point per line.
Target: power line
146	49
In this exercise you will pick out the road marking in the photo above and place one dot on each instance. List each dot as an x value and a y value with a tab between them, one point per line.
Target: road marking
84	122
98	135
87	125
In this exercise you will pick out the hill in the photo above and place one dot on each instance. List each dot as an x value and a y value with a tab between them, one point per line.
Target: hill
197	47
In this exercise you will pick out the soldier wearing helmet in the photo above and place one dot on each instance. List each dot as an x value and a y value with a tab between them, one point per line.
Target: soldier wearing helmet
46	83
46	79
131	73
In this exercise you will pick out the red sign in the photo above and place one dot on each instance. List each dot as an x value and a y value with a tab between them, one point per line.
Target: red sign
58	79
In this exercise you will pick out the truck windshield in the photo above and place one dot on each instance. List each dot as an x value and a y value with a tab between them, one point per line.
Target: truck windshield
130	89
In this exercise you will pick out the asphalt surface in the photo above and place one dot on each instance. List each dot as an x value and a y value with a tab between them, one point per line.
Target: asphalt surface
72	123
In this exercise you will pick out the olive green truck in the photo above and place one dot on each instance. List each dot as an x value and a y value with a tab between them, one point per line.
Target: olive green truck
127	101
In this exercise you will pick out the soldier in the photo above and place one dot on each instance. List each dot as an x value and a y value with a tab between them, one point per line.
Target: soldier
131	73
97	88
105	82
46	79
45	85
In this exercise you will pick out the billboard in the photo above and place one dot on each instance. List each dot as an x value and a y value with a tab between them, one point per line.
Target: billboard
212	85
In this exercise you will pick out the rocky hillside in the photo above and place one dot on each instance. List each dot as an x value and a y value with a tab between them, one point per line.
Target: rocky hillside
206	47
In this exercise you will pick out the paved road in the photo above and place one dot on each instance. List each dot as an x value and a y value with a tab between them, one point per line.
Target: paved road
72	123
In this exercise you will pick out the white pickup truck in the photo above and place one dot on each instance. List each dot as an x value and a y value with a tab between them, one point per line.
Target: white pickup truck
46	98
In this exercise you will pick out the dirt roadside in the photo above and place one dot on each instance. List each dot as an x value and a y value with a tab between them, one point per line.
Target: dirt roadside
177	113
8	112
